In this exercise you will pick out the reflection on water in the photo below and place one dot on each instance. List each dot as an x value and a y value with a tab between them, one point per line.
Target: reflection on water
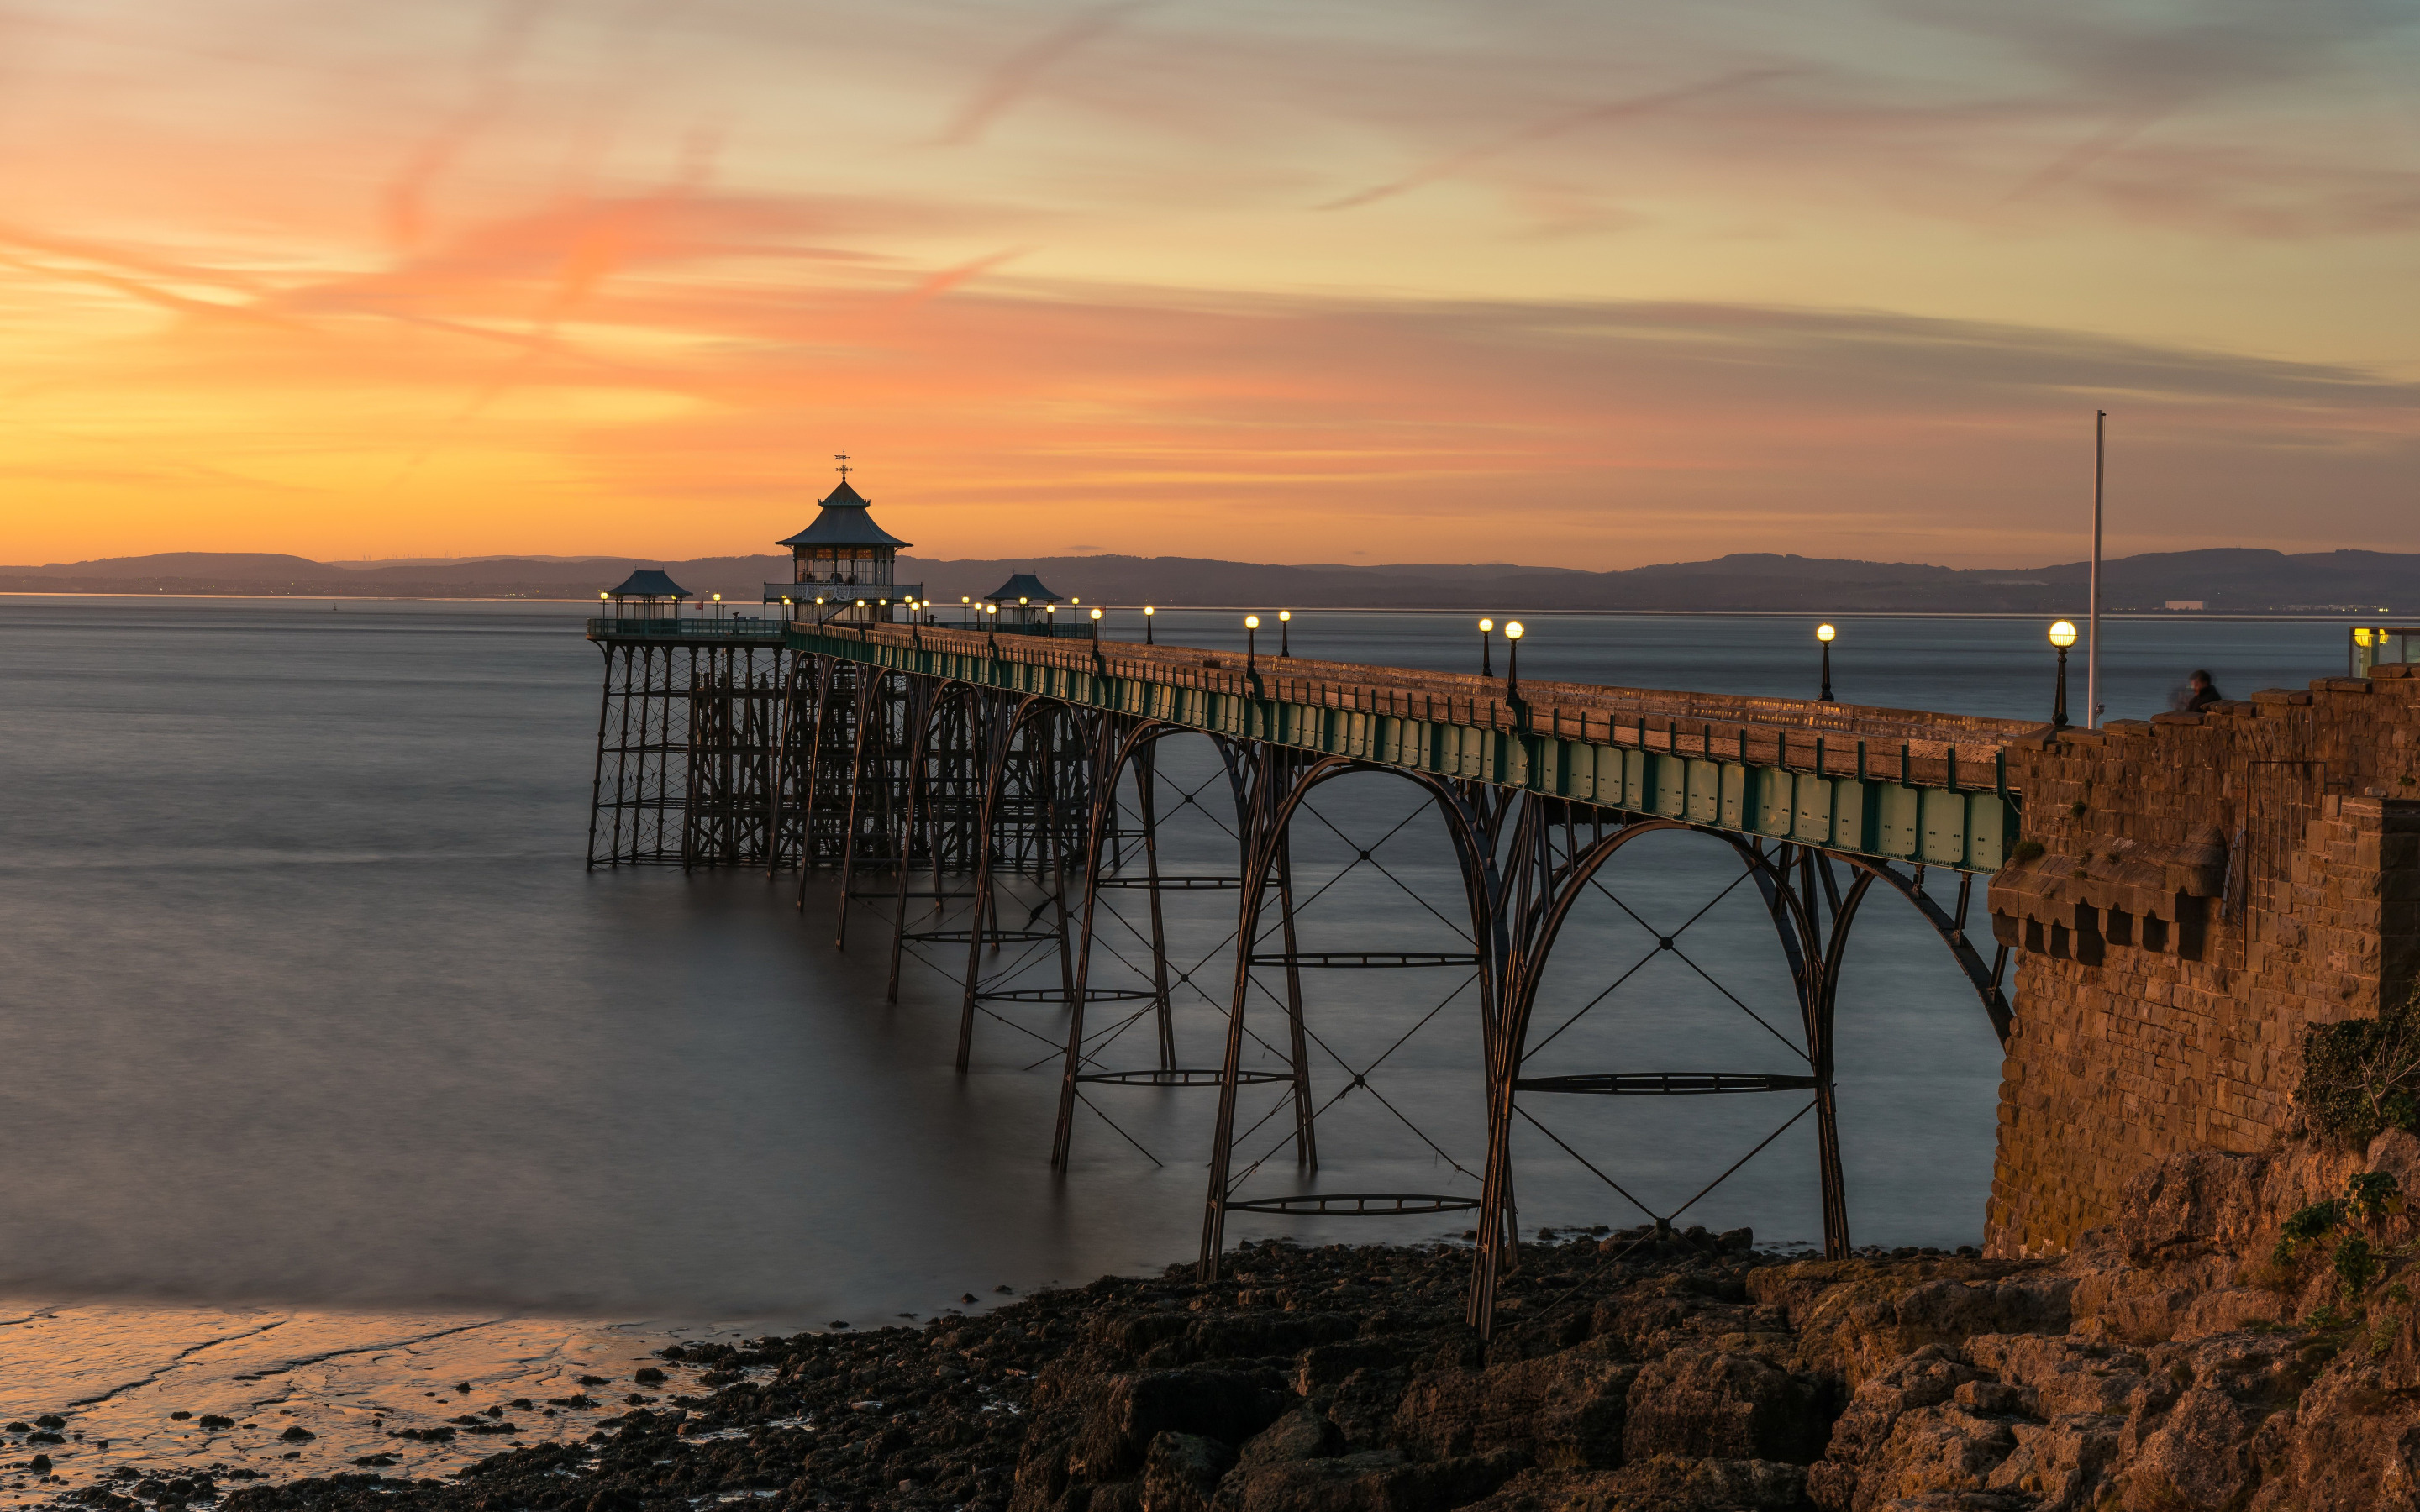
310	1005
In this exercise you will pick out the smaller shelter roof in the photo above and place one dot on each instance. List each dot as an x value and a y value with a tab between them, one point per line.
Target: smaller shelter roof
647	582
1024	585
844	521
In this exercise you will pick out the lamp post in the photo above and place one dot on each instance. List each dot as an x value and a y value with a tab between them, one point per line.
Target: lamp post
2063	635
966	611
1150	612
1251	638
1512	660
1488	648
1096	624
1286	632
1824	633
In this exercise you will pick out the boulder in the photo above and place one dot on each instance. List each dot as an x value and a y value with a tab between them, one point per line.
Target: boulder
1180	1472
2198	1458
1928	1378
1130	1411
1378	1480
1305	1433
1564	1411
1857	1328
2060	1464
1705	1404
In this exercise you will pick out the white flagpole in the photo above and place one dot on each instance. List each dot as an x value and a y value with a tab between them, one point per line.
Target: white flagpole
2092	618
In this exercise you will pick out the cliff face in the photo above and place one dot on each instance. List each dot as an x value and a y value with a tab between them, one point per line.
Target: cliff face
2179	1360
2242	1341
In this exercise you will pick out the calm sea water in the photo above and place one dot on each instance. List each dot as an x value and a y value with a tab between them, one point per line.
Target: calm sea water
309	1001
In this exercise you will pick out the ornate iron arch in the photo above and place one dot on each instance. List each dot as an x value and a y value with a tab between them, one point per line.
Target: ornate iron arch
1281	781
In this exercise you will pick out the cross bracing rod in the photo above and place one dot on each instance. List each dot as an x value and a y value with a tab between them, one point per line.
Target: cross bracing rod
1665	1083
1374	960
1181	1076
1357	1204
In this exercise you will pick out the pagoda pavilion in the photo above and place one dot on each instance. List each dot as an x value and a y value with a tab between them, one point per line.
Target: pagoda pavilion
843	566
648	593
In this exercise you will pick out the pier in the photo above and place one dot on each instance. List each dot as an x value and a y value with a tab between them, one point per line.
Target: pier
990	794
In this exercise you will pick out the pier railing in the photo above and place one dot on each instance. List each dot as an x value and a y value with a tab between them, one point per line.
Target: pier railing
1894	782
733	627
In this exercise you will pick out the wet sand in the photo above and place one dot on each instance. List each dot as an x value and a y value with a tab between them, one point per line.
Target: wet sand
125	1377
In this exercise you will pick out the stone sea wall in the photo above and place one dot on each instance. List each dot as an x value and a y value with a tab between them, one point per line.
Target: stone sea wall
2206	887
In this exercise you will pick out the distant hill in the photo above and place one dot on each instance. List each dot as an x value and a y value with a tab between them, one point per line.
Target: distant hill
2221	579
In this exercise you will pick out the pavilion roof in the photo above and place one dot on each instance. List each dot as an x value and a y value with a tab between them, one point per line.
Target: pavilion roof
844	521
648	582
1023	585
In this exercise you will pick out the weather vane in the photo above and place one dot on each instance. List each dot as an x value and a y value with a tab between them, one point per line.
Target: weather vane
842	457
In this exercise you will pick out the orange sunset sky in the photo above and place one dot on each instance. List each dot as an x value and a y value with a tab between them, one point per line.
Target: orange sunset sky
1588	284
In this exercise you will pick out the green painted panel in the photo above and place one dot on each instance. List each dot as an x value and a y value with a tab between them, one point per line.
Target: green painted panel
1987	831
1672	775
1853	814
1704	783
1735	803
1895	832
1634	780
1944	827
1811	814
1608	759
1775	795
1511	759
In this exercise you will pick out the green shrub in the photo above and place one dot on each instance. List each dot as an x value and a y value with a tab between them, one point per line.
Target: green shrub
2026	849
2373	1194
2312	1223
2355	1265
2362	1077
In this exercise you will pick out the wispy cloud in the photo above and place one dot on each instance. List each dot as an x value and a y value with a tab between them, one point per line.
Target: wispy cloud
1560	125
489	80
1014	77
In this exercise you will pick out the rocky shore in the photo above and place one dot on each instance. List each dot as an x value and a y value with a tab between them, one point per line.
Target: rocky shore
2242	1341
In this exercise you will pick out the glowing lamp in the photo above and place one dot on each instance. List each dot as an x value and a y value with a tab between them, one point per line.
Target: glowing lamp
2063	635
1824	633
